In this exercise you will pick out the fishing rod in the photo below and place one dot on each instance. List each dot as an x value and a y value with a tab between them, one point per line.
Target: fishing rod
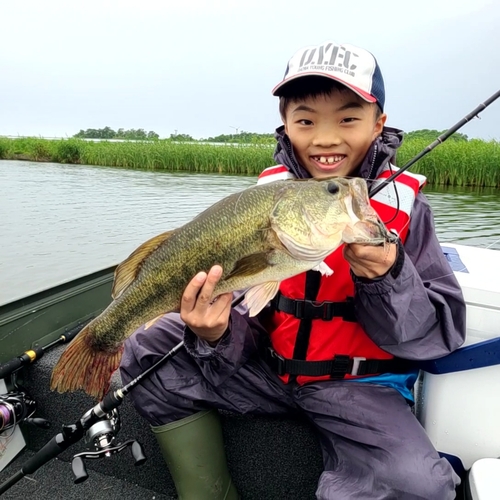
16	405
31	355
101	422
100	425
473	114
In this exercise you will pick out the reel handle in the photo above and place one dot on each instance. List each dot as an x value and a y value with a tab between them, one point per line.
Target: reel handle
138	455
38	422
79	470
78	463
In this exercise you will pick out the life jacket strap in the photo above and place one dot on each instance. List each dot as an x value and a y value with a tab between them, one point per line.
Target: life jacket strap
336	368
310	309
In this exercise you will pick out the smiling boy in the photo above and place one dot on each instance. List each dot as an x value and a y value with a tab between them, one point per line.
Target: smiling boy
332	132
330	347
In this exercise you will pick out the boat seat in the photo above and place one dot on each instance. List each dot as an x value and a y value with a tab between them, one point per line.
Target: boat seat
483	481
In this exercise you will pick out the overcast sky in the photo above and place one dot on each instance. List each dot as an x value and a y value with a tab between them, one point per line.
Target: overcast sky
203	67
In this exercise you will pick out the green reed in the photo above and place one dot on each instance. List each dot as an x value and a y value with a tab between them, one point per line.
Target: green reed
455	163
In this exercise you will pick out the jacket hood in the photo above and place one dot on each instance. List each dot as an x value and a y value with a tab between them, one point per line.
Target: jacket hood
382	150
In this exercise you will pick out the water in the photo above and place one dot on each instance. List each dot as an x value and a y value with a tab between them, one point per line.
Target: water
467	215
59	222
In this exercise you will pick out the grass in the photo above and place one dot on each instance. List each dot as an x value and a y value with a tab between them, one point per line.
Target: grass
454	163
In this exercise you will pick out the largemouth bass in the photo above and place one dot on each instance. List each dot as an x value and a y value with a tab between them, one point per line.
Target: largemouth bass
260	236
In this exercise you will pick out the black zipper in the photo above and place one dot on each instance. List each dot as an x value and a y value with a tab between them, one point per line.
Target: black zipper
375	152
291	157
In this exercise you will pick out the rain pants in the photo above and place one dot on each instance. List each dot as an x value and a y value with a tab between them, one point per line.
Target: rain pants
373	446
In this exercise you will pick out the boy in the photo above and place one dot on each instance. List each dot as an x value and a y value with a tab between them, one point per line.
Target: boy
326	346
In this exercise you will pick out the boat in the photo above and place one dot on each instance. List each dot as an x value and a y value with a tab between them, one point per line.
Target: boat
457	402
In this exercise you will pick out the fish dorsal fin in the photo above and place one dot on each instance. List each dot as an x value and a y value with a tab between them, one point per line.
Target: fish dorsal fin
250	265
127	271
258	296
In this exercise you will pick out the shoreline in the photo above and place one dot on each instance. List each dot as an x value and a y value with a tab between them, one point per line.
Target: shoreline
473	163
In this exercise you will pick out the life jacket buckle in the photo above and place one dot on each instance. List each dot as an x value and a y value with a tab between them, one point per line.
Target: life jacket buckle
340	366
278	361
313	309
356	361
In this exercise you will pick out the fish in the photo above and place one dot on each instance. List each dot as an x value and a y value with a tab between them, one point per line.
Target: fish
259	236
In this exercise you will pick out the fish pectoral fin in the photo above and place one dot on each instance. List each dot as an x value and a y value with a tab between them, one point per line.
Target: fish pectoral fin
323	268
127	271
250	265
258	296
151	322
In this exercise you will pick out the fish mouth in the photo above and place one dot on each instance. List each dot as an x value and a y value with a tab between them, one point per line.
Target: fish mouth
368	232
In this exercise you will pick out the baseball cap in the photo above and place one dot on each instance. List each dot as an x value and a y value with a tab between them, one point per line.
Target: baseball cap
354	67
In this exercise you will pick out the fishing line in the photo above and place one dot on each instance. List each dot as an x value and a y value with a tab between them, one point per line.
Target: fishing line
397	198
494	243
473	114
8	419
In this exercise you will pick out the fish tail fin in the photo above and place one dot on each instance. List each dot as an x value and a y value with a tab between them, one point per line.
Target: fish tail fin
82	366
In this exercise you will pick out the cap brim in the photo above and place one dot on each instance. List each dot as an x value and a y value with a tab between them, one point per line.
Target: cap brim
364	95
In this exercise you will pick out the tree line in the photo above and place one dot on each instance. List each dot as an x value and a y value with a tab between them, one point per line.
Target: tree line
432	135
108	133
242	137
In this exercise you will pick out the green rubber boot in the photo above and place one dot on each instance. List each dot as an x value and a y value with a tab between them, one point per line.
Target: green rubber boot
193	449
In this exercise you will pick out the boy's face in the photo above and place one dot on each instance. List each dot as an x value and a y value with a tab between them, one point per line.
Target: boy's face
331	134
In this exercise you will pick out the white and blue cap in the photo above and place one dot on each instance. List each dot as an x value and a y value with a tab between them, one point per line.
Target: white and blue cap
354	67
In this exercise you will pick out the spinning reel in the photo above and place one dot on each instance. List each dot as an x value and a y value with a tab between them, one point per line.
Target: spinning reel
15	408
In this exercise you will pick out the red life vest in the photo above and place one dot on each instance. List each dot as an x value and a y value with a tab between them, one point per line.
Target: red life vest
338	336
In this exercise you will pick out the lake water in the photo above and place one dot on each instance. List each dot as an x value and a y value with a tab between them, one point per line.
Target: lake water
59	222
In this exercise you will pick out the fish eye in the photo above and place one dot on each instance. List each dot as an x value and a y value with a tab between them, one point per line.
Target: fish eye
333	187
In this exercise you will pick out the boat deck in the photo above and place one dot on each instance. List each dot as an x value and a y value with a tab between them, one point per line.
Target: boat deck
269	458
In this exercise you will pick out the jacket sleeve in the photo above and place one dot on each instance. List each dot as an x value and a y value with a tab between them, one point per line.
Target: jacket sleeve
236	346
418	311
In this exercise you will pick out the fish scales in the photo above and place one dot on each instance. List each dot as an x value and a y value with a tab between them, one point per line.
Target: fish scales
259	236
165	275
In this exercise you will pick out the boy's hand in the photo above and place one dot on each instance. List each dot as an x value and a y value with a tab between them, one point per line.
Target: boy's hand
370	262
207	320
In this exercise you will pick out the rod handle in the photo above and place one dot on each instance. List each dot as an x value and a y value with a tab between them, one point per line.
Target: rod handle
26	358
53	448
